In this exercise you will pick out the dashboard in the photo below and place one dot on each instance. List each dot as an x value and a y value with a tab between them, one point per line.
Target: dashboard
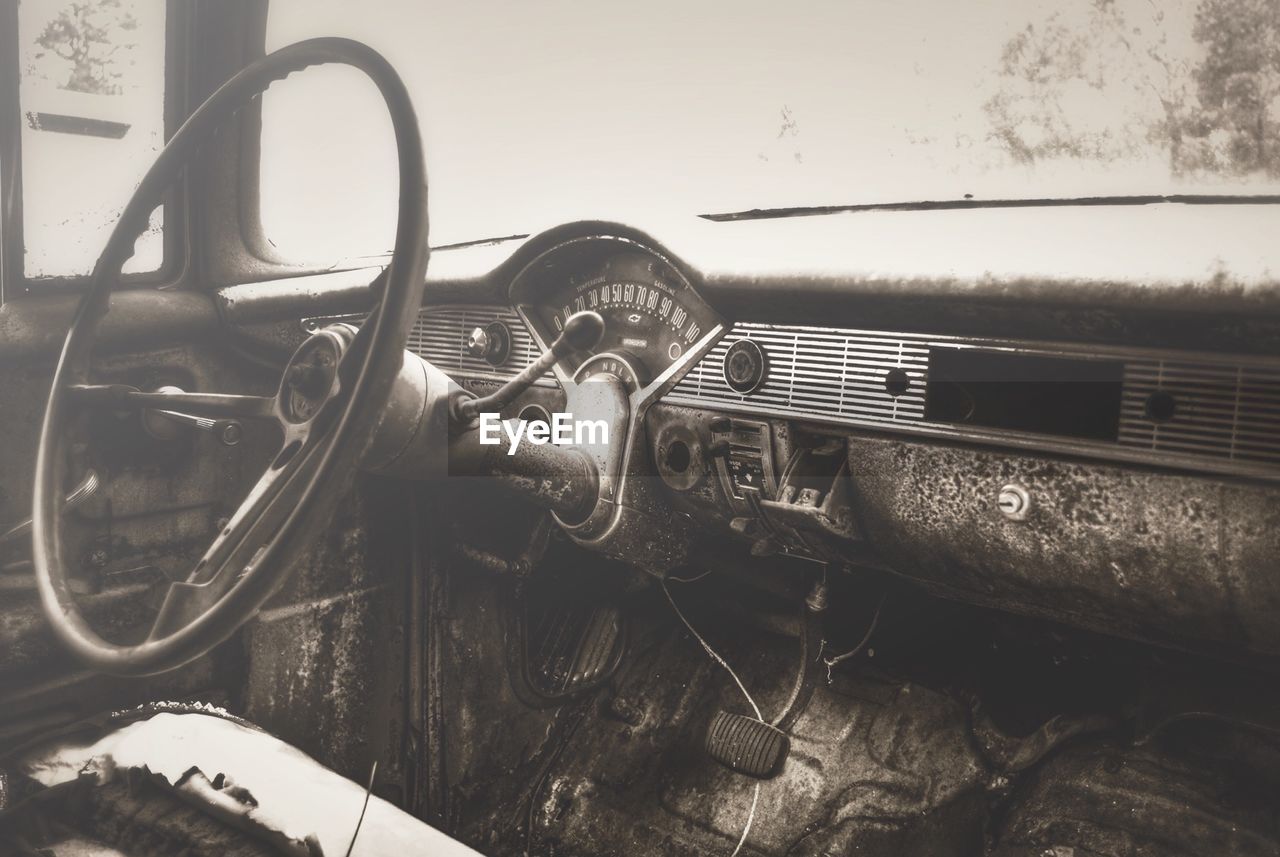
1106	462
1202	411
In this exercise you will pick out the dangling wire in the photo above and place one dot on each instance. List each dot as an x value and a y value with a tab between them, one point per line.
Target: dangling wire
373	772
712	652
755	798
866	638
751	817
670	579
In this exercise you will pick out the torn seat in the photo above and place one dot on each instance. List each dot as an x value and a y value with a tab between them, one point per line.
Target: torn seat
246	779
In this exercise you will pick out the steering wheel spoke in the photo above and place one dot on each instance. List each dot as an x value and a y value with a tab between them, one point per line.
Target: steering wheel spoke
238	546
217	405
220	405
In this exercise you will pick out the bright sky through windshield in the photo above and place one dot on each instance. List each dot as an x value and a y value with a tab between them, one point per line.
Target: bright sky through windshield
537	112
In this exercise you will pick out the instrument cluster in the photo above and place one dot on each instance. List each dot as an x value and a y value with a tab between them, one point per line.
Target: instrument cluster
654	320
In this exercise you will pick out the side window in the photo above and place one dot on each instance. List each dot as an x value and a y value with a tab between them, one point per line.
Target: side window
92	104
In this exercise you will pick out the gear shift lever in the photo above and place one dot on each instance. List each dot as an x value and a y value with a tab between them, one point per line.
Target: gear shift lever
581	332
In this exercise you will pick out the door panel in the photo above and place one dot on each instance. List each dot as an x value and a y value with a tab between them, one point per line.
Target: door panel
157	505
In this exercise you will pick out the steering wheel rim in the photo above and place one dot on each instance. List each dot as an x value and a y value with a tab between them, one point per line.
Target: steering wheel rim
369	365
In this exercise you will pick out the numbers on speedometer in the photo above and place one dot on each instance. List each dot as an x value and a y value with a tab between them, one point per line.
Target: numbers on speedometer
641	299
652	316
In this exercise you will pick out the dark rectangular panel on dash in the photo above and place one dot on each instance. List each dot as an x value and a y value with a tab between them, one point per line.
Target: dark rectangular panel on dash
1061	396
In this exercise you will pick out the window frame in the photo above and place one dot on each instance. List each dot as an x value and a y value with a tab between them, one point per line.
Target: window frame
175	262
257	257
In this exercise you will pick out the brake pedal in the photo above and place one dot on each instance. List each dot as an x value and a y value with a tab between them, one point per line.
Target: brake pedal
747	745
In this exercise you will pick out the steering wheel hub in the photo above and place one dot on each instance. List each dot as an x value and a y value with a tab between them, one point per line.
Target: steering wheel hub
311	377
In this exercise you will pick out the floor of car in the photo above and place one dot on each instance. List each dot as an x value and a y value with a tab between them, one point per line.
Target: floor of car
953	731
960	739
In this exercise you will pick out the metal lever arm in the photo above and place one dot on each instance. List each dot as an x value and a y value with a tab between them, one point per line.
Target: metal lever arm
160	422
87	488
228	432
581	332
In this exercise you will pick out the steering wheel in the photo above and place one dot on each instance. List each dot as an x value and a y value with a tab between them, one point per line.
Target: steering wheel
328	404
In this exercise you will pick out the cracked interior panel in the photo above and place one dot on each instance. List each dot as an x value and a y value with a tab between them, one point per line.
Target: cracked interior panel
794	433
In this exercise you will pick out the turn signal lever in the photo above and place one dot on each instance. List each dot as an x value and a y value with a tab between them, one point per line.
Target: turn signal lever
581	332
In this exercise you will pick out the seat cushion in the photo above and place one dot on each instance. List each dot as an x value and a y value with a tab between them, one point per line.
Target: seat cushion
247	779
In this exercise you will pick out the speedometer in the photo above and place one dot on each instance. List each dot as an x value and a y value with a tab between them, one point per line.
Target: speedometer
645	314
652	315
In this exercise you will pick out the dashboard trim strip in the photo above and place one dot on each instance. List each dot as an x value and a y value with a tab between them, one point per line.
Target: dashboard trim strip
829	376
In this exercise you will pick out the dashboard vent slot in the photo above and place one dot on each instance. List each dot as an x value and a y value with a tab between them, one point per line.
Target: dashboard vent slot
1205	409
818	373
440	336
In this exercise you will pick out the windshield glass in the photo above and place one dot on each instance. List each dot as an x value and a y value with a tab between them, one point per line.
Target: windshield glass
541	112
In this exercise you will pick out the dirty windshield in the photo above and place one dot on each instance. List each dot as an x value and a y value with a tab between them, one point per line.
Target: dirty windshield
536	113
543	112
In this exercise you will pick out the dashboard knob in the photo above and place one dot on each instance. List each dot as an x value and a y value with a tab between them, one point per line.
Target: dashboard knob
478	343
745	367
491	343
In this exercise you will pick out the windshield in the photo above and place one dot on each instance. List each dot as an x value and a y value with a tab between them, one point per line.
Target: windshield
541	112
